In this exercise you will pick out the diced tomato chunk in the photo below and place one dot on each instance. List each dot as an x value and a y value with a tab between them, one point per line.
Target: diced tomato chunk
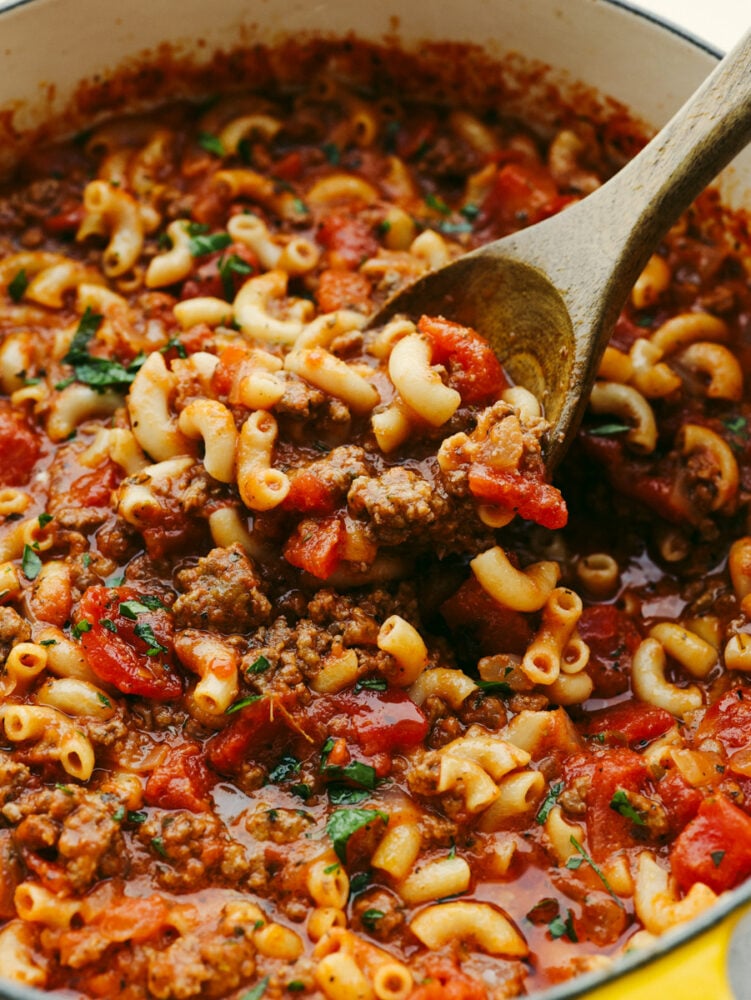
94	489
530	497
348	239
131	649
680	799
629	722
616	769
289	167
379	721
445	981
133	919
66	221
474	370
251	732
496	629
180	781
19	446
715	847
220	274
728	721
522	193
342	289
316	546
309	494
612	638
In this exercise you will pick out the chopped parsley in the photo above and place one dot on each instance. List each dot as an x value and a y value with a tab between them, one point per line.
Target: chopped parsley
242	703
303	791
99	373
296	986
211	143
65	789
136	816
622	804
145	632
358	883
18	284
287	768
229	266
331	152
132	609
470	211
371	917
608	430
48	642
158	844
584	856
371	684
31	564
259	666
258	990
331	869
550	800
559	927
495	687
717	857
119	814
108	624
79	628
200	246
343	795
438	204
344	822
736	425
44	520
103	699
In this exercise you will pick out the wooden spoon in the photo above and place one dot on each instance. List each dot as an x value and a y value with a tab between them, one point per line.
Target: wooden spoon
547	298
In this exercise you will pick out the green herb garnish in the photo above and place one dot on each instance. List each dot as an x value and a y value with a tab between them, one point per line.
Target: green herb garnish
622	804
549	801
211	143
31	564
344	822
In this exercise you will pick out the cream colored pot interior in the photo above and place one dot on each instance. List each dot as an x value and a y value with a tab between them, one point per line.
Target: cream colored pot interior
48	46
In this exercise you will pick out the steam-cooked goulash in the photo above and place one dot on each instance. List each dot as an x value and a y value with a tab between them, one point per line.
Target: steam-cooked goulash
312	682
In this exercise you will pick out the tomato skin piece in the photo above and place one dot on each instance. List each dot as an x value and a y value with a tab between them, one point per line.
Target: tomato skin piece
180	781
720	829
119	657
494	627
629	722
316	546
19	446
530	497
474	370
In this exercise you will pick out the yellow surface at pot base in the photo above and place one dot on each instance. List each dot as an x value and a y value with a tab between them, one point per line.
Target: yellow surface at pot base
696	970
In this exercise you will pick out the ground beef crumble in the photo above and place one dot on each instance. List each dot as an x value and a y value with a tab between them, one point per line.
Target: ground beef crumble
222	592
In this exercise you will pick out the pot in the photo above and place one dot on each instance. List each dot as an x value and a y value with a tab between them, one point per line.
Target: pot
49	46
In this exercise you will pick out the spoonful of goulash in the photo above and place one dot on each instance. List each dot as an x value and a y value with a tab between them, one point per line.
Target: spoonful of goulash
546	298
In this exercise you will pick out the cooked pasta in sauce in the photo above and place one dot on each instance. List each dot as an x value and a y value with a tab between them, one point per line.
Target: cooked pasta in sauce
313	683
